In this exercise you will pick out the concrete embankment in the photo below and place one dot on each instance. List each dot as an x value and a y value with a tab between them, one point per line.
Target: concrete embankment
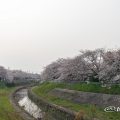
26	102
19	95
53	111
99	99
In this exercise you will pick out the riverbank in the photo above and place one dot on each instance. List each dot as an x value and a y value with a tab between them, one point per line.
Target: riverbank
7	111
18	95
90	111
52	111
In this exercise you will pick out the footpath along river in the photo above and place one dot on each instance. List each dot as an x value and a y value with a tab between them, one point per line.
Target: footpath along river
21	96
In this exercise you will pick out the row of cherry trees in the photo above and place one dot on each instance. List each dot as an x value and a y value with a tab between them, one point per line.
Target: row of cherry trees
17	76
98	65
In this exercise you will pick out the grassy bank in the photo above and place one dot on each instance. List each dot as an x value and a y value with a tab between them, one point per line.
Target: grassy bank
90	111
7	112
96	88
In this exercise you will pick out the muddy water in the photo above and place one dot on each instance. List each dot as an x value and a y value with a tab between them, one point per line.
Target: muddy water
29	106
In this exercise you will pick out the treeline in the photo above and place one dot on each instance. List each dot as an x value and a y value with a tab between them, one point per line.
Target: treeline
97	65
17	77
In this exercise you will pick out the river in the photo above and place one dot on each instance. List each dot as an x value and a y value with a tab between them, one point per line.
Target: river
30	107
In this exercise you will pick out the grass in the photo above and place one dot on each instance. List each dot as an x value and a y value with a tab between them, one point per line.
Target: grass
90	110
7	111
96	88
115	89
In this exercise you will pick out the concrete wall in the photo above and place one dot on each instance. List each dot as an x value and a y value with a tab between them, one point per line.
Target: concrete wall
54	111
99	99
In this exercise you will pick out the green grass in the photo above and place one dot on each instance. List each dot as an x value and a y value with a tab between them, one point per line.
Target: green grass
96	88
7	111
90	110
115	89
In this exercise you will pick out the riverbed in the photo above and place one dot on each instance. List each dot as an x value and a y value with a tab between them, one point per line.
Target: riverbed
25	103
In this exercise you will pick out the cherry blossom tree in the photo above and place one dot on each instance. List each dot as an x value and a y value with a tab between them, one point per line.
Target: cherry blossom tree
97	65
51	72
111	71
94	62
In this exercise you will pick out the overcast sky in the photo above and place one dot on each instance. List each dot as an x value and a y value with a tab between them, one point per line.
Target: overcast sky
34	33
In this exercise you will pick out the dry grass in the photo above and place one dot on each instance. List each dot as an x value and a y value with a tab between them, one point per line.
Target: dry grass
80	115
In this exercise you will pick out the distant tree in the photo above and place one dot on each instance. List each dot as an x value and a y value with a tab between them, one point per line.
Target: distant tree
2	73
9	76
51	72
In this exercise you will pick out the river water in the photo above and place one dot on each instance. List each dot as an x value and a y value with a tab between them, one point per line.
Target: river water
29	106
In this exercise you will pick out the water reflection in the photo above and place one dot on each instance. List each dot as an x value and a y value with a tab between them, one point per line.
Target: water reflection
28	105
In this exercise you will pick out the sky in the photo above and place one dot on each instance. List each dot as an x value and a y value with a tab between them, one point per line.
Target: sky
33	33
